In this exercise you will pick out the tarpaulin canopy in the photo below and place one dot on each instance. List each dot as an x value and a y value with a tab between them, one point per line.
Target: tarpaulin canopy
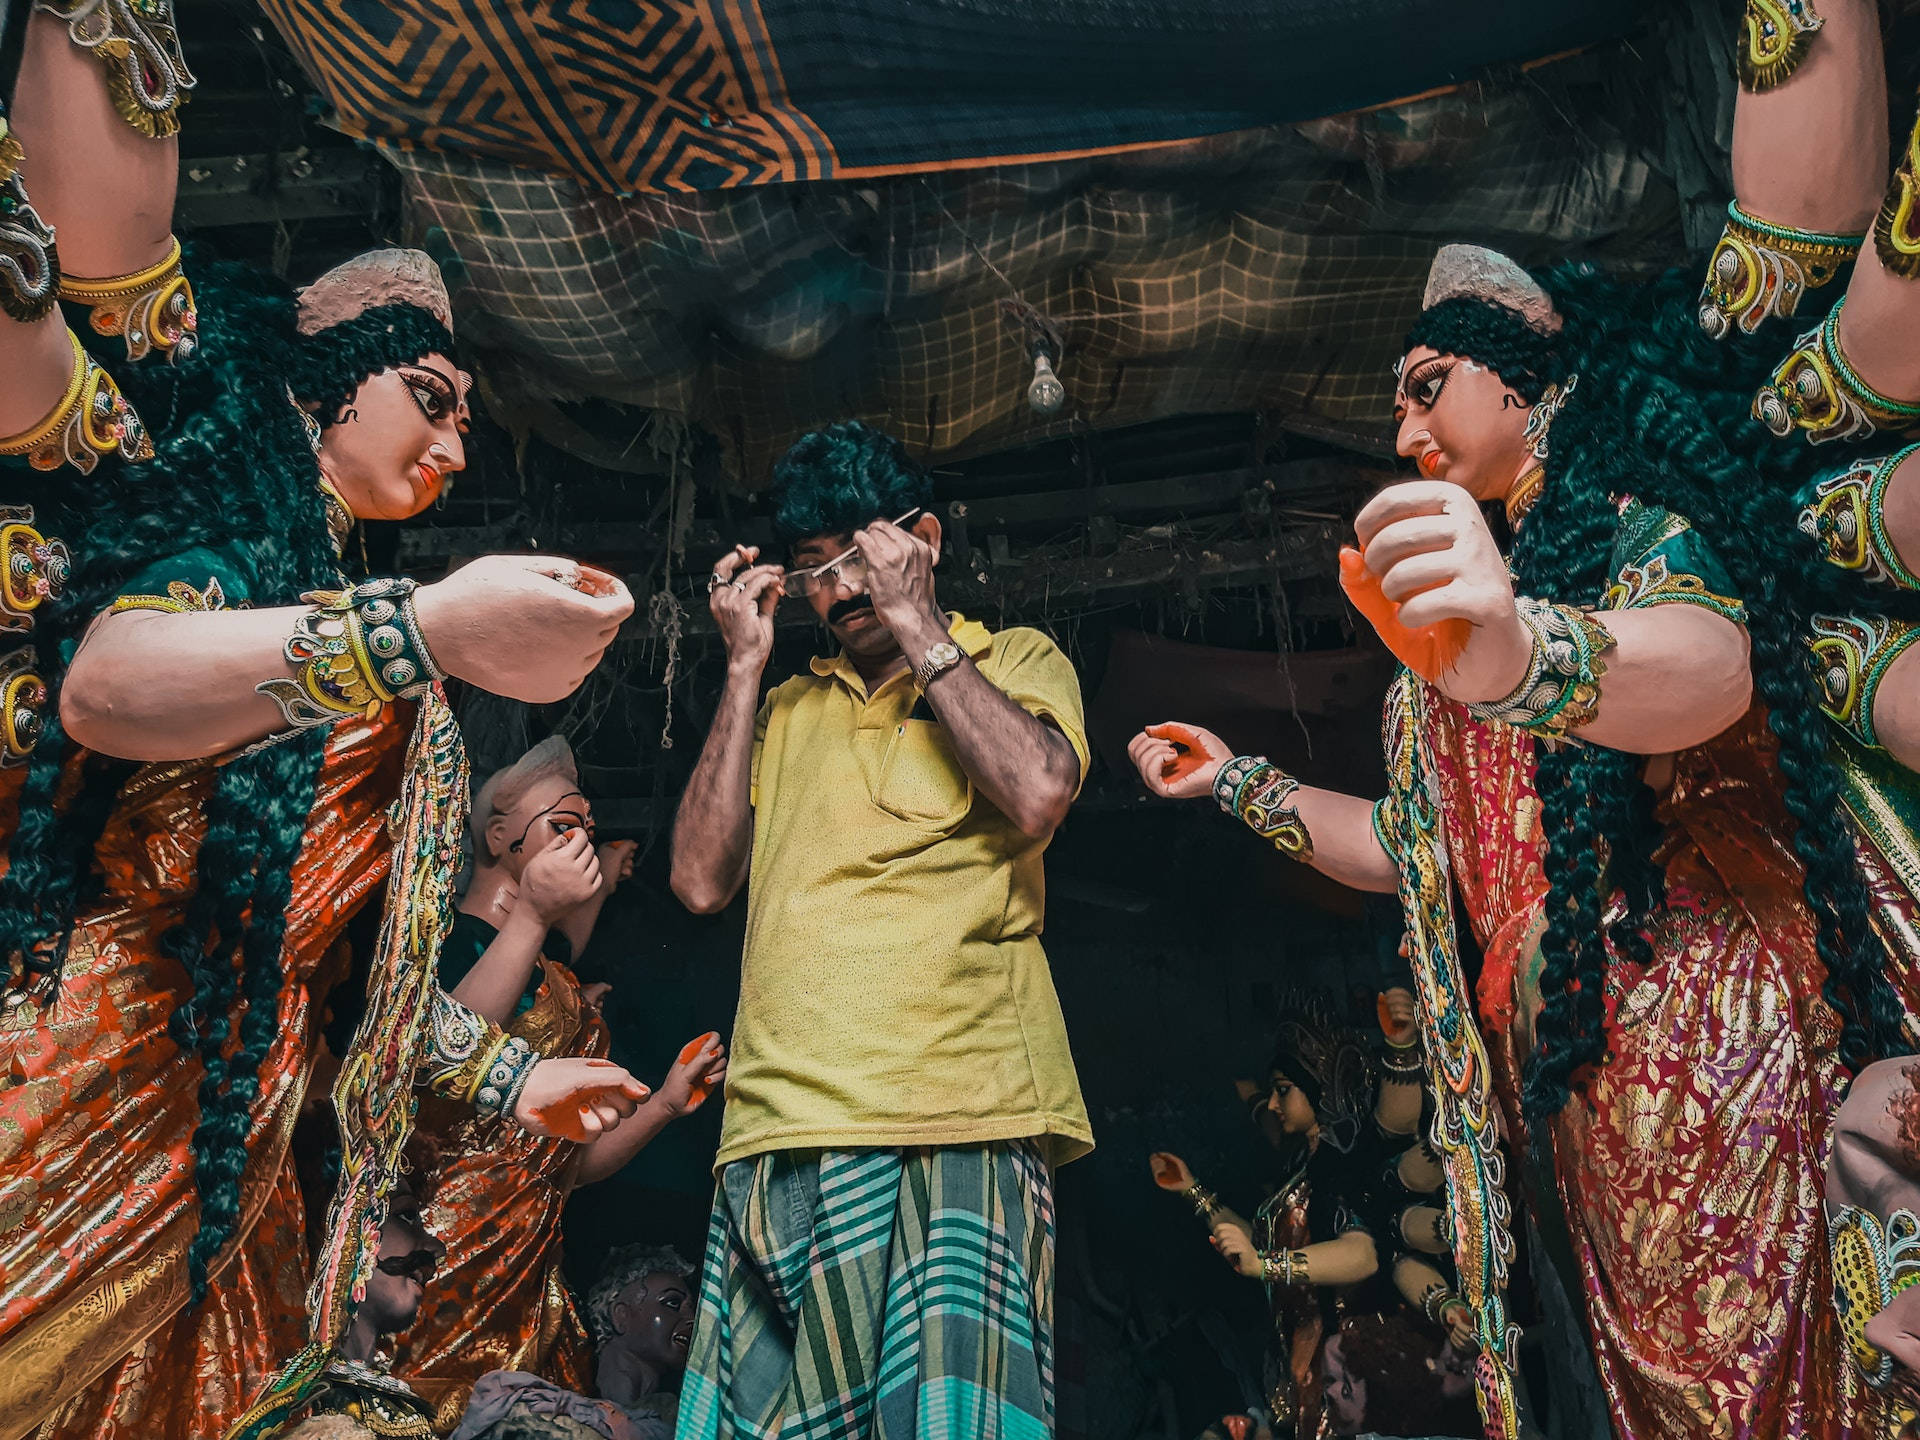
658	95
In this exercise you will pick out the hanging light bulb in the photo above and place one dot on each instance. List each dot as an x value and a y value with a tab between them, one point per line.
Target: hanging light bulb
1046	394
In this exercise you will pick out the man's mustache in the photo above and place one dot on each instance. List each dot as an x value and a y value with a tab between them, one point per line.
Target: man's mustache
841	609
419	1265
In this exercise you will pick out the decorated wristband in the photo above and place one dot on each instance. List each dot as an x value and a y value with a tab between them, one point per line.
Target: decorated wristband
151	309
1815	390
1255	791
90	422
1760	271
1774	39
1851	655
1205	1203
1561	689
1848	518
355	651
1284	1267
506	1076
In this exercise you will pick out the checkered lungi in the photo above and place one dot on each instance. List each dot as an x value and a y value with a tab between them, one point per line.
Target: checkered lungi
877	1295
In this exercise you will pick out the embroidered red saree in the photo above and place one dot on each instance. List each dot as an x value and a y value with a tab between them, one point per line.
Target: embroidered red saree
1689	1164
99	1106
500	1302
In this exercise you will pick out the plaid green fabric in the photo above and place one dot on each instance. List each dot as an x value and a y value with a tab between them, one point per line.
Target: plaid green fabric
877	1295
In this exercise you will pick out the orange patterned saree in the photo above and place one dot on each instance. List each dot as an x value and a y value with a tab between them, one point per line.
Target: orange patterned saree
98	1107
501	1302
1689	1163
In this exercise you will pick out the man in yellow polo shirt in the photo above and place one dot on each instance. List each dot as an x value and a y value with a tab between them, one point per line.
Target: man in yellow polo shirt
881	1255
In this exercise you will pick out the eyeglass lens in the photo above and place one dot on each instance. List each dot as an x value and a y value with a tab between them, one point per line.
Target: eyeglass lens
851	564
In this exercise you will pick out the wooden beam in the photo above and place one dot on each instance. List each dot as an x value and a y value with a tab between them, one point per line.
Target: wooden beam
218	190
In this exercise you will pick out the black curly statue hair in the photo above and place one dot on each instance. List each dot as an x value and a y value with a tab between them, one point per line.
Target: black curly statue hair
234	468
1661	412
841	478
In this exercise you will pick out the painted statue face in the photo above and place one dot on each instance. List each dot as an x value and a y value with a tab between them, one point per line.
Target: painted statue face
552	807
403	1265
1460	422
402	439
653	1320
1346	1392
1290	1103
843	605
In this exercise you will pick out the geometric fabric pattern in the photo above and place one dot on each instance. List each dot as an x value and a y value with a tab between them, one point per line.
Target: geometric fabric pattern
634	96
877	1295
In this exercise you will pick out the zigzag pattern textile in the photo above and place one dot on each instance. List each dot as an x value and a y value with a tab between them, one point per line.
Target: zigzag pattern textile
643	95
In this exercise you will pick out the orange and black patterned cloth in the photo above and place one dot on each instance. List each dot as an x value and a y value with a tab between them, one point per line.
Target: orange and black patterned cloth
652	95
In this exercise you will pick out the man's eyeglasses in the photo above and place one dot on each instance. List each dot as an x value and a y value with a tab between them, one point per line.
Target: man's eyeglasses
849	564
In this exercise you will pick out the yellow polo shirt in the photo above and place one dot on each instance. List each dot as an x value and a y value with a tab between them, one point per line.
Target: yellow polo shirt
893	990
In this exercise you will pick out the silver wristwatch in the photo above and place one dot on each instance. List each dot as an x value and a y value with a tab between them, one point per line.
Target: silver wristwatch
938	660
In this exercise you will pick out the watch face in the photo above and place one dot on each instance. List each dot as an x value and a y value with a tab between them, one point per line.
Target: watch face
944	653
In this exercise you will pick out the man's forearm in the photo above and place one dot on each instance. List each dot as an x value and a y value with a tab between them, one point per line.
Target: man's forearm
1023	765
712	834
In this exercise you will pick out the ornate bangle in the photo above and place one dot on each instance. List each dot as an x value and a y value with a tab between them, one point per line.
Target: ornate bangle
1817	391
1437	1299
1284	1267
1851	655
1848	518
1774	39
1760	271
1255	790
23	705
1404	1062
139	44
29	262
33	568
1896	233
151	309
356	651
1205	1203
91	421
1561	689
506	1076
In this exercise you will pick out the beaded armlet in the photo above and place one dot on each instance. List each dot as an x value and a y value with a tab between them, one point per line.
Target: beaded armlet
1774	37
1815	390
1255	791
138	43
1851	655
1847	517
90	421
1561	690
1760	271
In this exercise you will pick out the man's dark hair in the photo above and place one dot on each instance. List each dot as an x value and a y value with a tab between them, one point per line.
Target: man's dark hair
843	477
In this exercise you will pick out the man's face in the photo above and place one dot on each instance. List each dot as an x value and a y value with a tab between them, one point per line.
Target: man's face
403	1265
653	1321
551	808
841	599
